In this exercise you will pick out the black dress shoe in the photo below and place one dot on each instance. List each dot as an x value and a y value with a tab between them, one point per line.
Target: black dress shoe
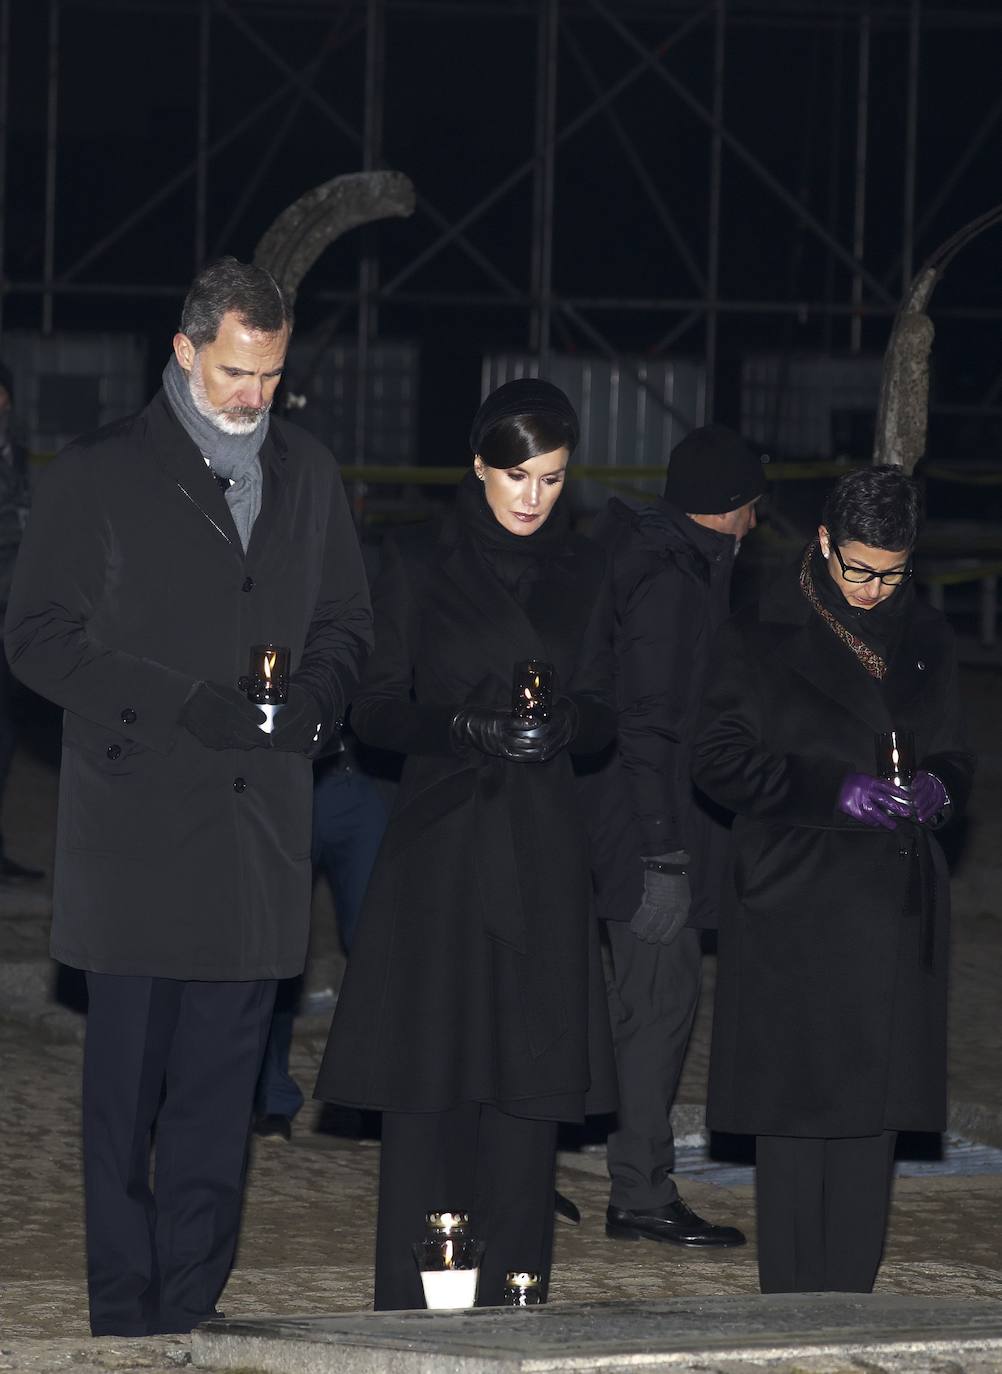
14	873
272	1126
675	1222
565	1209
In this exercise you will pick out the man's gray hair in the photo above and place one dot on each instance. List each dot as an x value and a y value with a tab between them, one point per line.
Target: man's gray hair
227	285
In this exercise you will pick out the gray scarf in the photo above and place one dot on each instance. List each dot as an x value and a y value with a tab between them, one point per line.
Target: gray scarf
229	455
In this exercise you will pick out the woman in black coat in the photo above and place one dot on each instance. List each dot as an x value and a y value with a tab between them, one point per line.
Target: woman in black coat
830	1018
473	1010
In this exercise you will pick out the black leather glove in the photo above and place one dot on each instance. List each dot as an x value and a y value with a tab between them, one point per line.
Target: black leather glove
496	733
664	907
298	724
504	736
222	718
556	732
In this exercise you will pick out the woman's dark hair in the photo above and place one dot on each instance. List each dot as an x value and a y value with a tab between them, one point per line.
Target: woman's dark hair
227	284
521	420
877	506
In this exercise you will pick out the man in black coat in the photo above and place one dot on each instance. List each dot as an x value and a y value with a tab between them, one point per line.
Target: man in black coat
159	550
660	847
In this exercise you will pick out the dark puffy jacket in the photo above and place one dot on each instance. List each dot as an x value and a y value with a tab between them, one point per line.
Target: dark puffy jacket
671	581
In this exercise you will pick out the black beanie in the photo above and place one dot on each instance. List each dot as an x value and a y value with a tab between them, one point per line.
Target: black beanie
713	471
530	397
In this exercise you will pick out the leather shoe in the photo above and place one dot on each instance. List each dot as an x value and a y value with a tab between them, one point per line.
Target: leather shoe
273	1125
565	1209
674	1222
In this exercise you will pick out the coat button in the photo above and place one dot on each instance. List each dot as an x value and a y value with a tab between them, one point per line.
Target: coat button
239	784
128	716
114	751
248	585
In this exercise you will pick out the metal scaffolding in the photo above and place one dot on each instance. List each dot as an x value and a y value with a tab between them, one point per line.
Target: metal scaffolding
604	49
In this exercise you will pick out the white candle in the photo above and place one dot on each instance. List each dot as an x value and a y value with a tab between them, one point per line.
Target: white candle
450	1287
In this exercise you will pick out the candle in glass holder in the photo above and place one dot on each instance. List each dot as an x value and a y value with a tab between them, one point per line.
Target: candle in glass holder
448	1260
522	1289
268	681
532	690
895	750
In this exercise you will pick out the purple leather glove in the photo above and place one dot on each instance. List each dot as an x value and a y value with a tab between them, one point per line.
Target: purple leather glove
929	797
872	800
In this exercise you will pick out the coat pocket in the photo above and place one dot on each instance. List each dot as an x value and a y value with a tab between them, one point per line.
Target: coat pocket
109	800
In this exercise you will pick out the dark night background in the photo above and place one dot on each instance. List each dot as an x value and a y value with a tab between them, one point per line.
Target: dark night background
459	93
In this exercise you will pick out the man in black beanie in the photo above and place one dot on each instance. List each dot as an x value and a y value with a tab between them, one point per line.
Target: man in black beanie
658	849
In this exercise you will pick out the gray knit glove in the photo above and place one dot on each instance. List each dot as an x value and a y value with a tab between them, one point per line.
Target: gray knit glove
664	907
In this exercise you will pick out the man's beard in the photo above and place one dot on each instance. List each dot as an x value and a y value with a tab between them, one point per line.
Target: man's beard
234	421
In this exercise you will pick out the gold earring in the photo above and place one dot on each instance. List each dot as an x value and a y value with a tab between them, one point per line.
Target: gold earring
481	474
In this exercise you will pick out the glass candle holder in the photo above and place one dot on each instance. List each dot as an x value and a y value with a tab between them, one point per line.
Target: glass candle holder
268	680
449	1269
895	754
532	690
522	1289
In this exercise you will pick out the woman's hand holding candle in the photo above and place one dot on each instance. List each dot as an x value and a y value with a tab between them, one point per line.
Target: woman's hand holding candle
873	800
929	798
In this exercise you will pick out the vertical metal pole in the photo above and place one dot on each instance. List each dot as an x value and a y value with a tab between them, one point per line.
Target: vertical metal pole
911	143
543	199
202	136
4	112
859	205
834	171
713	236
368	272
52	135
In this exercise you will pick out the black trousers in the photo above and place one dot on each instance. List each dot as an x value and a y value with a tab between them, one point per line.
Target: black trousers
822	1211
183	1057
653	996
476	1159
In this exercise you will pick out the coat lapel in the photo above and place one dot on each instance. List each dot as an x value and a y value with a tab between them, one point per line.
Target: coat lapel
832	669
180	459
908	671
820	657
500	622
275	474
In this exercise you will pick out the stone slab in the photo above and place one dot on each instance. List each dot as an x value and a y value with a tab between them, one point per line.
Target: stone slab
609	1338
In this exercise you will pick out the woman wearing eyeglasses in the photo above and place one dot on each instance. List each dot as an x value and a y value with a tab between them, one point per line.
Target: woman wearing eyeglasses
830	1018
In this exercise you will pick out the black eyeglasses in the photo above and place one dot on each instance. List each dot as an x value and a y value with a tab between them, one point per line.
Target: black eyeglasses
859	575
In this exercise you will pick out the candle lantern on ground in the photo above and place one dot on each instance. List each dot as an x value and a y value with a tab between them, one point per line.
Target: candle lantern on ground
448	1259
522	1289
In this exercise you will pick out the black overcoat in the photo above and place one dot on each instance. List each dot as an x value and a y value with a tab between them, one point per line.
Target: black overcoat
830	1011
475	973
172	859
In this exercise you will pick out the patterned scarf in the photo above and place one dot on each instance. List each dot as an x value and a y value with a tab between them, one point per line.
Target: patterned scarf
869	658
